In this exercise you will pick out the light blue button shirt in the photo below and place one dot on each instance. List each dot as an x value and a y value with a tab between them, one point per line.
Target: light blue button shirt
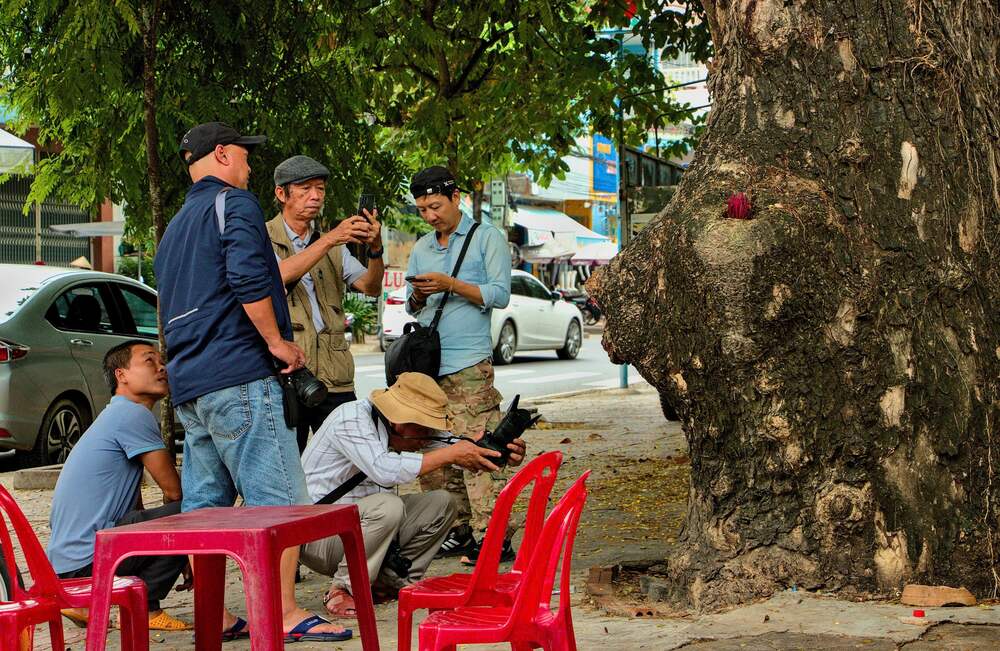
464	326
353	271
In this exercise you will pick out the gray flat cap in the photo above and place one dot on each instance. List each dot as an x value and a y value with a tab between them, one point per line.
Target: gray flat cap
298	169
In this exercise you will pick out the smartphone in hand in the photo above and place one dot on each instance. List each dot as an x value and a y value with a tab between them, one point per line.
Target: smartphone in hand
410	279
366	202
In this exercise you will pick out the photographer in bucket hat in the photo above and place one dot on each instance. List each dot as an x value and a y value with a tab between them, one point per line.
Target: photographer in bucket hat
381	436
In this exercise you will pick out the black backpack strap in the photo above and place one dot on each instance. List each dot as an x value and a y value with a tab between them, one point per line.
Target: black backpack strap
360	476
454	274
343	489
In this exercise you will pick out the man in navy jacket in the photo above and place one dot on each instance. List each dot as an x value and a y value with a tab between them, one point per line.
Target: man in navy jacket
228	334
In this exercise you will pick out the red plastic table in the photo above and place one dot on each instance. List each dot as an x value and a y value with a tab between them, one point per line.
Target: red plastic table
254	537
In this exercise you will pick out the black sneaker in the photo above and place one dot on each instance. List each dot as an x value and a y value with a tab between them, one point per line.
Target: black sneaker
507	554
459	542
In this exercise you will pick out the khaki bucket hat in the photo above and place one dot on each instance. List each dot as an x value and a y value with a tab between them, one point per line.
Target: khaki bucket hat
414	398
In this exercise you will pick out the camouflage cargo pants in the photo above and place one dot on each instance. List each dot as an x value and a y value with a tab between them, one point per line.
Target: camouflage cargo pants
474	405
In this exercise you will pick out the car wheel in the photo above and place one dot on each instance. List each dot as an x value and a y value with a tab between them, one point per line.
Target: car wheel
574	339
668	410
503	354
62	427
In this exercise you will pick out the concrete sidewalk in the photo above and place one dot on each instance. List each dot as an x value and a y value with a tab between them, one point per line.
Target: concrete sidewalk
622	437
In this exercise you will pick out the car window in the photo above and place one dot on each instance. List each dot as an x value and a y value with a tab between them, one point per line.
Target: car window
80	309
142	307
536	289
517	286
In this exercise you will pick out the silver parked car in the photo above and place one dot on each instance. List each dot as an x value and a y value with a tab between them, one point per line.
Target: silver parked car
56	324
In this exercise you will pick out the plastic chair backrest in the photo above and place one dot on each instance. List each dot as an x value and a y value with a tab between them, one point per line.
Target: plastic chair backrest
46	582
556	539
541	470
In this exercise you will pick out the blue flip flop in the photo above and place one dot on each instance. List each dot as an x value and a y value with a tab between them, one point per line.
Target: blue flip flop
236	631
301	632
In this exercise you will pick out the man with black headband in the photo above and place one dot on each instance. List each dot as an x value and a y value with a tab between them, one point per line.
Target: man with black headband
228	334
466	374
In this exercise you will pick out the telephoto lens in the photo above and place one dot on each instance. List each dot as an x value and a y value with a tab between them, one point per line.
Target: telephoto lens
512	426
310	391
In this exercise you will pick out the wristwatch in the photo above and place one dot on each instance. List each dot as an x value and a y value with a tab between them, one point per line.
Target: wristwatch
373	254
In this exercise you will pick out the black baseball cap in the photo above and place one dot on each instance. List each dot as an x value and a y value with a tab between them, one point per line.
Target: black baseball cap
202	140
433	180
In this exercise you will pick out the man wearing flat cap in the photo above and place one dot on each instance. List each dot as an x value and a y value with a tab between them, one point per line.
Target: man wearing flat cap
317	270
229	334
380	437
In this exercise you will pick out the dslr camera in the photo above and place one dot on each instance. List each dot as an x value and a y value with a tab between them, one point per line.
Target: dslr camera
512	426
300	387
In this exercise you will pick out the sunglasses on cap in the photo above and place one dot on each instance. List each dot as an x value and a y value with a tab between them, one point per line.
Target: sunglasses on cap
446	188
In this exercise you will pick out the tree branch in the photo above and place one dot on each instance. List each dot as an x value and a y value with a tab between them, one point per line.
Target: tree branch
412	67
484	45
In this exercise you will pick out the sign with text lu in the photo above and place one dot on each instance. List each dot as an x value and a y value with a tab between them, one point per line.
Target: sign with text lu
392	279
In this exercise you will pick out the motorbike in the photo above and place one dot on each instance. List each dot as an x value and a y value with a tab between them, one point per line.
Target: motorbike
588	308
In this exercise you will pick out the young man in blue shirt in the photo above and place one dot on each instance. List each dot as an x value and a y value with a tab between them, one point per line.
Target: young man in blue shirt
466	374
229	334
98	487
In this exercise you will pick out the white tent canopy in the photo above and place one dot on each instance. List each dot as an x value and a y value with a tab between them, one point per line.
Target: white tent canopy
597	253
16	155
551	251
535	218
91	229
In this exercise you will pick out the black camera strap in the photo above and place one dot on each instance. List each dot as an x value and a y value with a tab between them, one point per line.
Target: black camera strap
360	476
454	274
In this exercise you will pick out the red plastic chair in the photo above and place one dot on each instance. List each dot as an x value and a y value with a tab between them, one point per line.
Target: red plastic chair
530	622
484	586
16	616
53	593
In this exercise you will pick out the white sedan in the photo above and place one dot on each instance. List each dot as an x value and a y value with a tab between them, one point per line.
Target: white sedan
535	319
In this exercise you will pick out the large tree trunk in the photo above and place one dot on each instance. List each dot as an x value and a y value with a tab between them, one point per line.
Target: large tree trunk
835	358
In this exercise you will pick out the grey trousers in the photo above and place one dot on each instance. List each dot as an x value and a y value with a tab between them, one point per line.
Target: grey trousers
419	522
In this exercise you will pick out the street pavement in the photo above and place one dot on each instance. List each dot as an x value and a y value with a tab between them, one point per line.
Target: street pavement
532	374
620	436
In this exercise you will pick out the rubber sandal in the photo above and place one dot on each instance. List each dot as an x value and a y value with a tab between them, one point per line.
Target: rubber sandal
167	622
301	632
78	620
236	631
340	599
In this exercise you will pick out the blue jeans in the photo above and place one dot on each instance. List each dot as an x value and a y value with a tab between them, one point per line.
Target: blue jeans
236	441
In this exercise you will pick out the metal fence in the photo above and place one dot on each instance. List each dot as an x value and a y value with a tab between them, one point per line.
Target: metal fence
17	230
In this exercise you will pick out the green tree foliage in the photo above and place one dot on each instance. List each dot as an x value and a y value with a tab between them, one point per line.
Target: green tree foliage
485	86
75	70
373	90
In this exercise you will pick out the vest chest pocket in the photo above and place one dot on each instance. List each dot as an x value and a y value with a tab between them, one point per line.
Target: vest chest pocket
336	364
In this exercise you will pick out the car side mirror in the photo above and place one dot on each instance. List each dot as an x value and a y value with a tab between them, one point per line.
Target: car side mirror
554	296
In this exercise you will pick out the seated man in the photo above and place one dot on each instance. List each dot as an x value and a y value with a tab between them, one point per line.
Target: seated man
99	483
379	437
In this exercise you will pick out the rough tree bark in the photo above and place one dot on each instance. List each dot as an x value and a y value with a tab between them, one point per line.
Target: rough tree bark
835	358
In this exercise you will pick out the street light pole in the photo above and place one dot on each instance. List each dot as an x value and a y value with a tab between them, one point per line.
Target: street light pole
623	225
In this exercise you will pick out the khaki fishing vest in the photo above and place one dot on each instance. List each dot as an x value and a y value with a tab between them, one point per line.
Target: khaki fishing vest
328	354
